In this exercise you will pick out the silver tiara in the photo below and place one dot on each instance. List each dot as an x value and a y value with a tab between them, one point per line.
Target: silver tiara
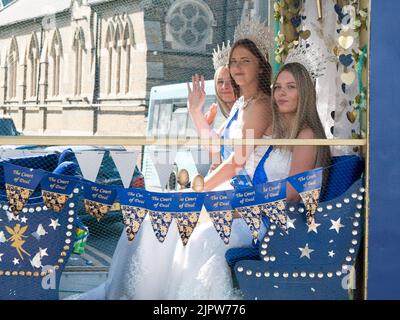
310	56
221	55
257	32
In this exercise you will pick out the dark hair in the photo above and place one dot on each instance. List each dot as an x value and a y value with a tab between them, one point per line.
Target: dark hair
264	80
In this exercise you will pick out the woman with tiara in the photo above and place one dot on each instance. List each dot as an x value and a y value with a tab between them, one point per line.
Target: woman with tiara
251	115
295	116
200	269
226	93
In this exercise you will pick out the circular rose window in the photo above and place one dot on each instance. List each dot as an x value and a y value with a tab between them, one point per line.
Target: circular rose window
189	25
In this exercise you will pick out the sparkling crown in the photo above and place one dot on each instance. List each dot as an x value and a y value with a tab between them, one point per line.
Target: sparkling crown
221	55
257	32
311	57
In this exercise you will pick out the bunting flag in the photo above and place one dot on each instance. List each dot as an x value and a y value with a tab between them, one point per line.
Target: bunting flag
89	163
133	207
20	183
161	207
125	163
244	202
98	199
271	199
187	216
308	185
202	161
163	162
56	190
219	208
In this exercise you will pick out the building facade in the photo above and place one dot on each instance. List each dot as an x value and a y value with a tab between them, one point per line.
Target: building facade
86	67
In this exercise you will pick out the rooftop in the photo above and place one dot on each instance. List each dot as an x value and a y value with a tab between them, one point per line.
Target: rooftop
14	11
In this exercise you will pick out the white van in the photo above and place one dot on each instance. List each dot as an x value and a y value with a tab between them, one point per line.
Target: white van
168	117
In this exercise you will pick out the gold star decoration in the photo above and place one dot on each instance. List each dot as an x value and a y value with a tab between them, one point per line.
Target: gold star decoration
336	225
313	226
305	252
54	224
290	223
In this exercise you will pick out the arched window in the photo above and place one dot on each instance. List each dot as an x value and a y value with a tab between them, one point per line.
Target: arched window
12	68
128	42
32	67
55	62
189	25
118	52
109	48
78	47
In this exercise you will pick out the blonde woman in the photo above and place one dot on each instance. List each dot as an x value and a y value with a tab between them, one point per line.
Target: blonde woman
226	93
296	116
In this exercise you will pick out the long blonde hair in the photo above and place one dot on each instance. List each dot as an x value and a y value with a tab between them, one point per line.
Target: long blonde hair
225	109
306	114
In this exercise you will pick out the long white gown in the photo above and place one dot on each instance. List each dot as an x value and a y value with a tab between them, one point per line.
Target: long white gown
200	270
147	269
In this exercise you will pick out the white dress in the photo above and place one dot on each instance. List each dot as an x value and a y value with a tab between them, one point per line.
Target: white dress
200	270
147	269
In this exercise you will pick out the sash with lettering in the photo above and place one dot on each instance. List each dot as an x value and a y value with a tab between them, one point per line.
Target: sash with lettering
308	185
56	190
20	183
244	202
188	213
219	207
133	207
161	209
271	199
98	199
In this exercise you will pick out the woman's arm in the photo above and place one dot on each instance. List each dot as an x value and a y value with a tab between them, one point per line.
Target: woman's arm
216	157
303	159
256	119
211	114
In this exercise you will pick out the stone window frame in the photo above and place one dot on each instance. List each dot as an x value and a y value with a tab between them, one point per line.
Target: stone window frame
171	36
118	56
56	54
12	62
32	67
119	42
78	46
109	45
